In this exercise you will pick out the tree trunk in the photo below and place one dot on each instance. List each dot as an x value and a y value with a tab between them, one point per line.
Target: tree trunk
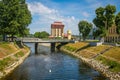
84	38
4	37
12	37
79	37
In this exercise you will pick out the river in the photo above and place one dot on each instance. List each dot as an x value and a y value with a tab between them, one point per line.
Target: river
48	65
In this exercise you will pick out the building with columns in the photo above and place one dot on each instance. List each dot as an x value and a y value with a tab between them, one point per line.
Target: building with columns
112	35
57	29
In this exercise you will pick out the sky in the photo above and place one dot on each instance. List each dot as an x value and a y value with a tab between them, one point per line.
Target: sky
69	12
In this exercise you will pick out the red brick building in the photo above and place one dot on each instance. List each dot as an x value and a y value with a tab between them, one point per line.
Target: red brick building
57	29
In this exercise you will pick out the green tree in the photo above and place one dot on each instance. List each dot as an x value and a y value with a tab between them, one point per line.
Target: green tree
14	17
25	33
117	22
36	34
84	28
104	19
42	34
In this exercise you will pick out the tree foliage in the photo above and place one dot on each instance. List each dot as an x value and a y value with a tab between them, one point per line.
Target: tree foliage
14	17
117	22
104	19
84	28
42	34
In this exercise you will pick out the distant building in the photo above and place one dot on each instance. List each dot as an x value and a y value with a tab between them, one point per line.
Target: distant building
112	35
57	29
69	34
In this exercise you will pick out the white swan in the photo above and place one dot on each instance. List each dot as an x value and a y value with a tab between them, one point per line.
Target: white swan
50	70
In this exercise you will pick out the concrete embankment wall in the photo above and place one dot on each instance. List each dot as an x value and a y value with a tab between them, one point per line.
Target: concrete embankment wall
103	69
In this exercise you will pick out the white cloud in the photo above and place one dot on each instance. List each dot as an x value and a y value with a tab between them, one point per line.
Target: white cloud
48	16
39	8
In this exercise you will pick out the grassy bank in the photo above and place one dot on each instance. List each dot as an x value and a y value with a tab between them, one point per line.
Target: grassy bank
7	48
75	47
110	57
10	55
113	66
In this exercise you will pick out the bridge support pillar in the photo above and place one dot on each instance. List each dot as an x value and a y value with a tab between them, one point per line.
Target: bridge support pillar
52	47
36	48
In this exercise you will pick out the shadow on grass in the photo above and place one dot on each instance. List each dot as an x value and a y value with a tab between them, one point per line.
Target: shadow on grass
60	45
19	44
84	47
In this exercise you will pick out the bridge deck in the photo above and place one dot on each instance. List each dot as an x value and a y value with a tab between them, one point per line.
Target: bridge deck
36	40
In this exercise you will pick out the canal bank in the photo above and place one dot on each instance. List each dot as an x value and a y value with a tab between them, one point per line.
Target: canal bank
97	65
15	57
46	65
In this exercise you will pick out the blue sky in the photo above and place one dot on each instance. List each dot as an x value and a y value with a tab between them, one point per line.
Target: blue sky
70	12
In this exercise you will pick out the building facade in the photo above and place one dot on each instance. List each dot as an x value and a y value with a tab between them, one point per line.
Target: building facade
112	35
69	34
57	29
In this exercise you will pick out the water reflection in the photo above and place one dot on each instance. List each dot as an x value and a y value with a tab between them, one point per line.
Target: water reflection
52	66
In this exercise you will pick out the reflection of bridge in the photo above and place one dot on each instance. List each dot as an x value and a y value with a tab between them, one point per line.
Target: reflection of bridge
52	41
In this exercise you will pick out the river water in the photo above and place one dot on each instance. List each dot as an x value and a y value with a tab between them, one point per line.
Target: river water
48	65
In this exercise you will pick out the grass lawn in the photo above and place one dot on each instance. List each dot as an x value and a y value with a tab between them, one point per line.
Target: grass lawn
75	46
113	65
5	62
92	51
19	54
86	54
113	53
97	49
7	48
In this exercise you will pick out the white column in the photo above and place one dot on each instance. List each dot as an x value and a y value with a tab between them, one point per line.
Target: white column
56	32
59	32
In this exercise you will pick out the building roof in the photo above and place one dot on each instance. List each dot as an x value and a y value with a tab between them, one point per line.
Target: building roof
57	25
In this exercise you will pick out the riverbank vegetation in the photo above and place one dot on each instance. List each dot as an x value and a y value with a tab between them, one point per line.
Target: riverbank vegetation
106	54
10	53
